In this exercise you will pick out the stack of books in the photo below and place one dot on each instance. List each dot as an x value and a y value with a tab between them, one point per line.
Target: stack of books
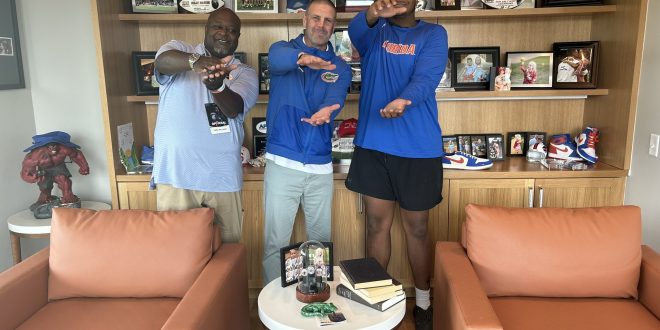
367	282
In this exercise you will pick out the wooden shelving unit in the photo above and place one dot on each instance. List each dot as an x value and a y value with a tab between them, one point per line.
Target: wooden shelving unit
440	14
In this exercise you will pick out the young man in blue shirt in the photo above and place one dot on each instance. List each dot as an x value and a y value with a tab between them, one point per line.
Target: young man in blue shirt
398	141
308	88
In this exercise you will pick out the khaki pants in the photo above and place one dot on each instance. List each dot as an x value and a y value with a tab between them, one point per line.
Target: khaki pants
227	206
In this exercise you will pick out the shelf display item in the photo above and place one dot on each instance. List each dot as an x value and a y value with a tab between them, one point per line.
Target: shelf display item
313	280
502	4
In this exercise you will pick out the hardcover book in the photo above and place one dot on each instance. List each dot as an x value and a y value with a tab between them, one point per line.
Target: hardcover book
370	299
381	306
365	273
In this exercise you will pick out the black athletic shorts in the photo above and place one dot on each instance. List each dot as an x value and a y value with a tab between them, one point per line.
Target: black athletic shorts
416	183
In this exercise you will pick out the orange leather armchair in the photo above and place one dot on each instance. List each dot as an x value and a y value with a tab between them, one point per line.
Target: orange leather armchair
124	269
537	269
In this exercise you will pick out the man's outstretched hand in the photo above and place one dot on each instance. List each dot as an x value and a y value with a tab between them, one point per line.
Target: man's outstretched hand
315	62
322	116
384	9
395	108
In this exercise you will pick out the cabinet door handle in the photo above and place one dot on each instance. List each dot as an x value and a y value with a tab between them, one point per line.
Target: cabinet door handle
530	191
540	196
360	204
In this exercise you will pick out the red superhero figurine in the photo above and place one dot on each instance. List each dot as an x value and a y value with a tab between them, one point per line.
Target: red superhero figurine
45	165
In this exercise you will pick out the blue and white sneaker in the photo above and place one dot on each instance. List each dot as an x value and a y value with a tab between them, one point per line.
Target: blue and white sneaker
586	144
562	147
462	161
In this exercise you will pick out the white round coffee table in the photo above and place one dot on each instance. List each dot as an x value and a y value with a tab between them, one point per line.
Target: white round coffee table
279	309
24	224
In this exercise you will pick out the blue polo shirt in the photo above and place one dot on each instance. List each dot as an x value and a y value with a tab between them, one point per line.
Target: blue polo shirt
186	154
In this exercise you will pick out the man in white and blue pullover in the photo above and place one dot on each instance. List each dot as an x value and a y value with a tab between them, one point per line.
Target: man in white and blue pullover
308	89
398	150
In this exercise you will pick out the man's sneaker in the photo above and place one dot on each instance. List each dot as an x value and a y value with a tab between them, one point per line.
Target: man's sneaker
423	318
536	152
562	147
462	161
586	144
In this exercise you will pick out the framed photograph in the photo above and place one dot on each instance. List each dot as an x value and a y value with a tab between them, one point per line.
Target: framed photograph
11	64
255	6
495	146
259	145
343	46
471	4
291	263
447	4
449	144
155	7
530	69
502	80
534	138
575	64
241	56
143	67
445	81
296	6
478	143
264	75
516	145
464	144
562	3
471	66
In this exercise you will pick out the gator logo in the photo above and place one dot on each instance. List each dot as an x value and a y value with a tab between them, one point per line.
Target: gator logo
329	77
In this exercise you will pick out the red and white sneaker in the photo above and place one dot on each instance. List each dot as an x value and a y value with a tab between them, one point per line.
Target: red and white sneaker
586	144
462	161
562	147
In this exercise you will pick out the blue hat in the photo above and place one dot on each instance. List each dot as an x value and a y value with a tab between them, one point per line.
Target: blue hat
51	137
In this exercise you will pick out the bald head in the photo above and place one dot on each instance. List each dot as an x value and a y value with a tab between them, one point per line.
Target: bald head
223	28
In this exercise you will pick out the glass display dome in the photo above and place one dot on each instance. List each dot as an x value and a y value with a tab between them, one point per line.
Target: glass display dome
313	277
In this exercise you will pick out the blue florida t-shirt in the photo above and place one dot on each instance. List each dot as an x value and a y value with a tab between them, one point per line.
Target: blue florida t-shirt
405	63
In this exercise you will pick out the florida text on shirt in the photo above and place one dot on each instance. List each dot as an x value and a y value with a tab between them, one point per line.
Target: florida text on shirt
399	49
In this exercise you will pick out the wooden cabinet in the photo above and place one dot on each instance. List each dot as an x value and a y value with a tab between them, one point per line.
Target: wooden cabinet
578	192
136	196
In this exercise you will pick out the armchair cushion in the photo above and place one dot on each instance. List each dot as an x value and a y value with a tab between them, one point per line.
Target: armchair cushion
589	252
127	253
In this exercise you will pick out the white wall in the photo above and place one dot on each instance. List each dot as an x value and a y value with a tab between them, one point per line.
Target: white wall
644	181
62	94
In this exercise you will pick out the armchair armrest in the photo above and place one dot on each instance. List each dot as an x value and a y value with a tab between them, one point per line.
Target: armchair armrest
459	300
649	281
219	297
23	290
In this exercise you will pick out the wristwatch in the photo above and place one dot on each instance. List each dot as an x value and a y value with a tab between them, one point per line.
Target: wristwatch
192	59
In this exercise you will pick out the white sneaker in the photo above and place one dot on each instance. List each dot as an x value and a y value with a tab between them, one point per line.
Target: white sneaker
462	161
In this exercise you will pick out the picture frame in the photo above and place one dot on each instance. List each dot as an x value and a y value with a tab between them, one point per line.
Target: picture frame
291	261
341	42
563	3
241	56
296	6
464	143
471	66
471	4
143	69
447	5
264	75
11	61
535	137
516	144
449	144
575	64
478	145
259	145
255	6
530	70
495	144
155	7
502	80
445	81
